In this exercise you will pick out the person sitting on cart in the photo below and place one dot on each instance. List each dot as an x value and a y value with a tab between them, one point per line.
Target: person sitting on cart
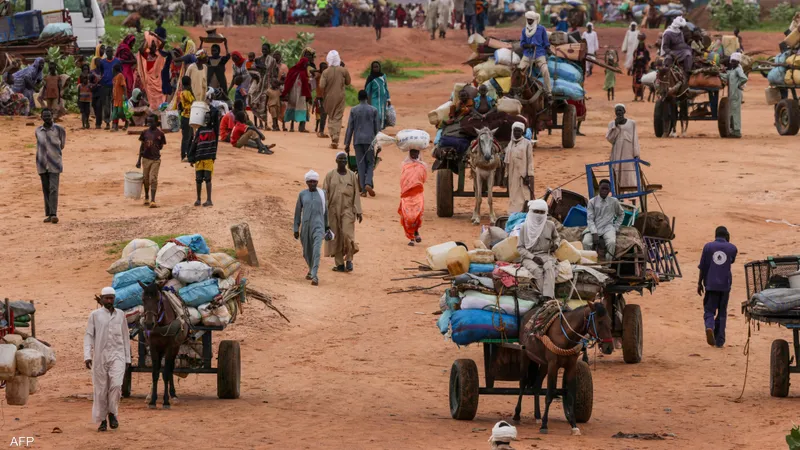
737	80
535	47
675	49
715	279
484	104
538	239
453	135
604	216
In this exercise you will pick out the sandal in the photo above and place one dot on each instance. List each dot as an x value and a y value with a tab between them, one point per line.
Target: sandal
410	243
315	282
417	237
338	268
308	276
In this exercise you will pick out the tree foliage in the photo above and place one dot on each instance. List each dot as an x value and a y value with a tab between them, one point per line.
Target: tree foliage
783	13
65	65
736	15
292	49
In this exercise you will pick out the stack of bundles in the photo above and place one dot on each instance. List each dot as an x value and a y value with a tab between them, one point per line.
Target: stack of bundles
207	284
490	285
779	303
22	311
21	363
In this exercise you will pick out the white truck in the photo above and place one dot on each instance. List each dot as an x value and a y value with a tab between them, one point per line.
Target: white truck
88	24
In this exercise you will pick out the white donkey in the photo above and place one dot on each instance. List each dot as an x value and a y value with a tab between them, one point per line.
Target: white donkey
484	160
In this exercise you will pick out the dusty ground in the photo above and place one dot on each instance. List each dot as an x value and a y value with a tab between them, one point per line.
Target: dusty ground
358	368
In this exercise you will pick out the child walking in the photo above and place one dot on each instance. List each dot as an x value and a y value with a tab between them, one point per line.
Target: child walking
202	154
52	91
118	93
187	98
85	88
318	109
611	77
153	140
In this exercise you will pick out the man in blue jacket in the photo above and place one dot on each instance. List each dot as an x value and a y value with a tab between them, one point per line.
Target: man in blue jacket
715	280
535	47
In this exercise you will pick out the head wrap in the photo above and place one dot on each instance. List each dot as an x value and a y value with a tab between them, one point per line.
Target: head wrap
534	223
340	154
333	59
373	74
633	24
530	29
312	176
300	71
736	57
237	58
589	25
503	432
200	54
135	94
677	24
620	105
516	125
108	291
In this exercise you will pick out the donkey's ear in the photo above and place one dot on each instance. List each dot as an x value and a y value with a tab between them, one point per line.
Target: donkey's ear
495	131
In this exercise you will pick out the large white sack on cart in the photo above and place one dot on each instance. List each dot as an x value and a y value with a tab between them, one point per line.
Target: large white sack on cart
194	315
171	254
439	114
222	264
479	300
649	79
214	317
133	315
189	272
138	258
405	140
506	57
489	69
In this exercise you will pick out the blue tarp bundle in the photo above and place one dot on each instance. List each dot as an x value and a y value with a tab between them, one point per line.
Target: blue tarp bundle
481	268
200	293
194	242
129	296
129	277
517	218
472	325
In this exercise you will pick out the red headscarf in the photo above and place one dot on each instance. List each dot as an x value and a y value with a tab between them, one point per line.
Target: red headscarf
298	70
237	58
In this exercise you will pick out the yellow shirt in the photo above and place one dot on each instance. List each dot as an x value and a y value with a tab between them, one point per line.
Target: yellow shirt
186	103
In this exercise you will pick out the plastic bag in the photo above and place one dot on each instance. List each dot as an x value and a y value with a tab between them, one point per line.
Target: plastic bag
129	277
189	272
194	242
198	293
506	57
391	116
412	140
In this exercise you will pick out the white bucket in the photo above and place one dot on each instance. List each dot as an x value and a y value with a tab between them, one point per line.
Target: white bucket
170	121
794	280
198	115
134	181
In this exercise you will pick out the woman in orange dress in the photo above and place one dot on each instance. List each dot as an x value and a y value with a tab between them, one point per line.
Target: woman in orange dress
412	198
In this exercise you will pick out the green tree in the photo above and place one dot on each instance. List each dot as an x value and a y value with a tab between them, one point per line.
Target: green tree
292	49
66	65
736	15
783	13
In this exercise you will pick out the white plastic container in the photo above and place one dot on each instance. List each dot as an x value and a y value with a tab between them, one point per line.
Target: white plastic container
439	114
17	390
31	363
48	352
8	361
134	181
481	256
457	260
506	250
437	255
197	118
794	280
566	252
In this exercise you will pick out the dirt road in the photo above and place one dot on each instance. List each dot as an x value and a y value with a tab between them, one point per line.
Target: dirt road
358	368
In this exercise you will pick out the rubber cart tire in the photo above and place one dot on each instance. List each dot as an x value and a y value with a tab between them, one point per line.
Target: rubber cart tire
464	389
632	335
569	130
127	380
229	370
779	368
658	118
444	193
787	117
724	118
584	397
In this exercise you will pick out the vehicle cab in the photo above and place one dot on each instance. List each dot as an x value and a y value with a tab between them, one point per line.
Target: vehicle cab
88	24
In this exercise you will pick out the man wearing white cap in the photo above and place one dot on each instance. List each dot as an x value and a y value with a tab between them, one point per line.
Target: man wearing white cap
592	45
311	223
344	207
736	79
106	352
535	46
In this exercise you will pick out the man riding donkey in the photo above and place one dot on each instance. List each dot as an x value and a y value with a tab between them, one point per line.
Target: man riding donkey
535	48
675	50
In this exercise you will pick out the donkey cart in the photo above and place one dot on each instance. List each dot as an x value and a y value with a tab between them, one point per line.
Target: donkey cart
228	368
502	362
668	111
774	274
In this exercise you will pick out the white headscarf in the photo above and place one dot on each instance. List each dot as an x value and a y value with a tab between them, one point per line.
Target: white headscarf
333	59
312	176
340	154
503	432
108	291
534	223
634	24
677	24
736	57
516	125
618	105
530	30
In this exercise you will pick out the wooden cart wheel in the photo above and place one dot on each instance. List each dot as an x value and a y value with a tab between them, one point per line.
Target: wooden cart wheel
569	130
779	368
229	369
444	193
724	118
632	334
787	117
127	380
584	397
463	389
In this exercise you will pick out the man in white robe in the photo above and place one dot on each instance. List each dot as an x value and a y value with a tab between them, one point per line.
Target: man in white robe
624	138
445	9
592	45
629	45
107	352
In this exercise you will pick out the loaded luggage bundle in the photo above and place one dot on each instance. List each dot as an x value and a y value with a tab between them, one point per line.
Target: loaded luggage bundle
208	286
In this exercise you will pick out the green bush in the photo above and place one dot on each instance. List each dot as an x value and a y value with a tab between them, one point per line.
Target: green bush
291	50
736	15
67	66
783	13
793	438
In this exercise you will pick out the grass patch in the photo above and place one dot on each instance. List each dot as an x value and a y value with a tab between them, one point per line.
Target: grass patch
30	145
350	96
115	248
611	25
115	31
396	69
